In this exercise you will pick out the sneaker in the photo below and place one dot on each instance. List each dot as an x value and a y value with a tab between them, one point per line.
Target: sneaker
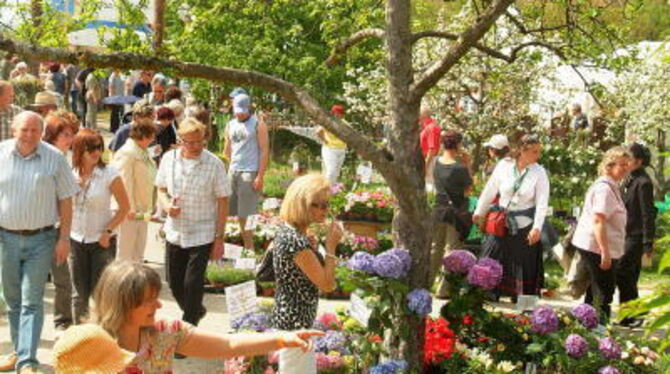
29	369
8	362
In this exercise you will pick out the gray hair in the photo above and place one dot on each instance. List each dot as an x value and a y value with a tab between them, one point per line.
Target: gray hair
25	117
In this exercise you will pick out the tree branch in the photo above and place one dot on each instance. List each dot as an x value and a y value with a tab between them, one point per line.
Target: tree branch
129	61
354	39
524	30
466	40
449	36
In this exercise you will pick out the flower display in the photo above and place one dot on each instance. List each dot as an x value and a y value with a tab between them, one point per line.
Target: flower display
327	321
459	261
389	367
609	348
608	370
440	341
332	341
486	273
362	261
544	320
258	322
374	206
394	263
420	302
328	361
586	314
576	346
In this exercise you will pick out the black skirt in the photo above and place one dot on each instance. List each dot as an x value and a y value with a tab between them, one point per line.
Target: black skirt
523	270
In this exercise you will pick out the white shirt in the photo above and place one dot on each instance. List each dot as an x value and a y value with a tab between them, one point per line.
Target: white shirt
92	205
196	184
533	192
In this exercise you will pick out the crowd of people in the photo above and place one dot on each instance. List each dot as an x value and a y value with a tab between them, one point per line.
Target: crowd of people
70	212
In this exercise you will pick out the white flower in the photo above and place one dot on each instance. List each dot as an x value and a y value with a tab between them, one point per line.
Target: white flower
506	366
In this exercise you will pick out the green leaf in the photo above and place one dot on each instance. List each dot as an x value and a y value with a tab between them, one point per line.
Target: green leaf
660	322
665	262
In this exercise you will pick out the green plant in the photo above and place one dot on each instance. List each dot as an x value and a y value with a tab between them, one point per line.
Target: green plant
218	274
25	90
277	179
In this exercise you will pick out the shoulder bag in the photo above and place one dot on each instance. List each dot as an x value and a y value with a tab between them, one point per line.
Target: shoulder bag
495	222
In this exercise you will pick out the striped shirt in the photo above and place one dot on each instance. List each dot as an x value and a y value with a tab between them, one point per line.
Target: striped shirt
6	118
196	184
30	187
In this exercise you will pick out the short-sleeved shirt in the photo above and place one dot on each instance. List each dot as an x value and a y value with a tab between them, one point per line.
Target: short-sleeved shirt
430	136
140	89
604	198
297	298
245	151
92	205
452	180
59	82
30	187
158	345
196	184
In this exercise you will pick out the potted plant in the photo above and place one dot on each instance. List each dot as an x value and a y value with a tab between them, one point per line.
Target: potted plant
223	276
266	289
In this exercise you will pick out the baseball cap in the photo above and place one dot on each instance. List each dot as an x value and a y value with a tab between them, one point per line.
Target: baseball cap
237	91
241	104
497	141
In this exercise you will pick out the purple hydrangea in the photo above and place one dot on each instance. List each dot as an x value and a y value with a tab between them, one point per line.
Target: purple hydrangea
609	348
587	315
420	302
459	261
486	273
393	263
608	370
332	341
362	261
251	321
576	346
389	367
544	320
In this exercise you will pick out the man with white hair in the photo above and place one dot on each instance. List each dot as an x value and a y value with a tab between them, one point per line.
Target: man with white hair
579	119
7	109
36	190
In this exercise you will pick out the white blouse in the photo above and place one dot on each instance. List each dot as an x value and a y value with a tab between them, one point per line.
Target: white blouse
533	192
92	205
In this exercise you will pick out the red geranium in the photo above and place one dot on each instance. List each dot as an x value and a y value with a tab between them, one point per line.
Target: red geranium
440	341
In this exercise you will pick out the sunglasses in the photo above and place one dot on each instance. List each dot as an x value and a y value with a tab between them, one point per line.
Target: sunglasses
322	206
94	147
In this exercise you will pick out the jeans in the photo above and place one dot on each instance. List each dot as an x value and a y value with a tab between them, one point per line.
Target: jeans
26	261
185	272
87	261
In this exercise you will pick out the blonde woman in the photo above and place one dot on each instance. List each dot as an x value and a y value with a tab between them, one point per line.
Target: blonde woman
138	171
601	231
299	270
126	302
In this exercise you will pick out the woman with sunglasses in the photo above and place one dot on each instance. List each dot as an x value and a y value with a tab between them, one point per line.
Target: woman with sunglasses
93	244
299	269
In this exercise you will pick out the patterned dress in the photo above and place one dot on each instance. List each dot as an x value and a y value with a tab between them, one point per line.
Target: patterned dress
157	347
297	298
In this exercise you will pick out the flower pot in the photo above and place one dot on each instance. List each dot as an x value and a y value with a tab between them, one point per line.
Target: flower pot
267	292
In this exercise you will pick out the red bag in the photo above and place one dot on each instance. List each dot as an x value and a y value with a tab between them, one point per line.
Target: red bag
496	222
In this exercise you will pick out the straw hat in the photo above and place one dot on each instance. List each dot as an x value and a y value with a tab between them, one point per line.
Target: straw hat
88	348
45	98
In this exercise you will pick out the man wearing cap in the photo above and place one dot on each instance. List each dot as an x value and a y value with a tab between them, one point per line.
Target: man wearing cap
36	189
246	146
333	149
7	109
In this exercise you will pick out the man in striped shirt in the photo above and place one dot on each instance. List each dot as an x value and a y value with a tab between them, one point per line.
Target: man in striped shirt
7	109
36	189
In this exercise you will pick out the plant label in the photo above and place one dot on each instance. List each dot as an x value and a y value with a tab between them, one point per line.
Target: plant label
245	263
252	223
364	173
526	302
232	251
241	299
271	203
358	310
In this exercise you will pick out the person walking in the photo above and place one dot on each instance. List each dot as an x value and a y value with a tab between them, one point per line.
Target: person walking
36	188
61	127
523	189
138	172
192	183
638	196
93	98
333	150
7	109
93	225
298	267
116	87
601	229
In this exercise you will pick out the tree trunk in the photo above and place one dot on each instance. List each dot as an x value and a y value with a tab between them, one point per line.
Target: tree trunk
159	25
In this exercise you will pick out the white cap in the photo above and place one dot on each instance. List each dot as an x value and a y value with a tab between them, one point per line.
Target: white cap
497	141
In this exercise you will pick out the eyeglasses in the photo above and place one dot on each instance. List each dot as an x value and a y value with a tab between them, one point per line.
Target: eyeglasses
322	206
189	143
94	147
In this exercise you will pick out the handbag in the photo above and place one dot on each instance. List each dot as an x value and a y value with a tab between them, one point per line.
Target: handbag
495	222
265	272
461	219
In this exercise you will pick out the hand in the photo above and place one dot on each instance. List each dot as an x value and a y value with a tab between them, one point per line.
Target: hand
131	216
174	211
104	240
334	236
605	260
258	183
62	250
217	250
534	236
300	339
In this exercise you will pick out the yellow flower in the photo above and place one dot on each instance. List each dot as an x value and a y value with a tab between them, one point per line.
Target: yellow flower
639	360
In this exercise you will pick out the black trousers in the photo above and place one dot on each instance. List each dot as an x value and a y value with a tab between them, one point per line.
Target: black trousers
185	272
115	118
86	262
628	269
601	291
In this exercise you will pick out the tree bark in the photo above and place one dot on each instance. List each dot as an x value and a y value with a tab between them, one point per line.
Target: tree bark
159	25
